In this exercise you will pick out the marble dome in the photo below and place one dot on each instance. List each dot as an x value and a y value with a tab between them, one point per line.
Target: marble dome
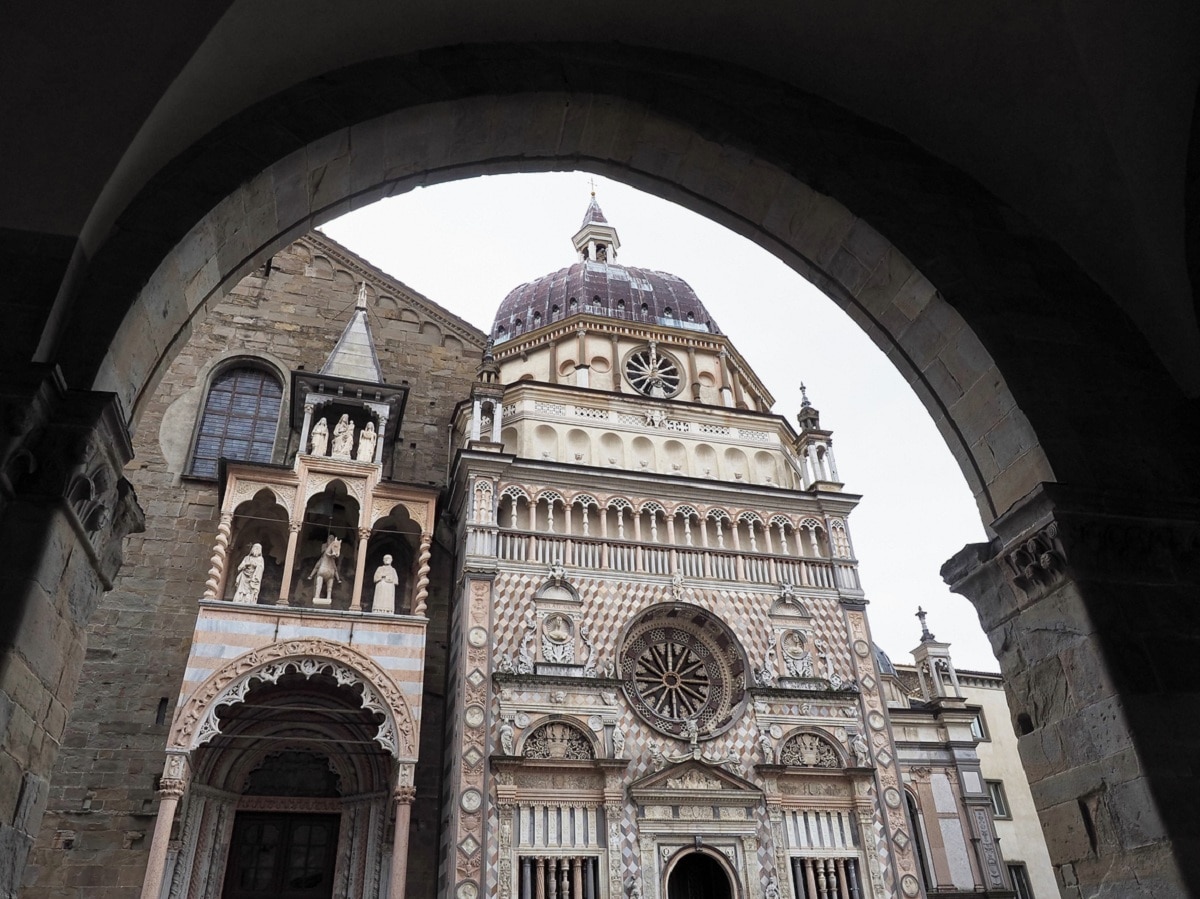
601	288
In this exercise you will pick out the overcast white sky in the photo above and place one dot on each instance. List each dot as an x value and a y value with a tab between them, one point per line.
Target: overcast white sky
466	244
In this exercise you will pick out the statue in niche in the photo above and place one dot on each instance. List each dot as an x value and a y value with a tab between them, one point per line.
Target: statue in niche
366	443
325	571
506	737
386	580
343	438
557	642
618	740
249	576
319	437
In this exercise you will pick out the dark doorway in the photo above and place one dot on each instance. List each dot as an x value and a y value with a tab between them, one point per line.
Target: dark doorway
281	857
699	876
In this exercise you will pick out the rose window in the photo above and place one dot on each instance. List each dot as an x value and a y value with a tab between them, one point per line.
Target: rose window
653	374
683	670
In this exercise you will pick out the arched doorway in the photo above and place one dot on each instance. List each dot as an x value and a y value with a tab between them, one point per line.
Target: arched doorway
699	876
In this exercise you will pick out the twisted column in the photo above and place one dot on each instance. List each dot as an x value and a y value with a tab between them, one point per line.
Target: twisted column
216	570
421	593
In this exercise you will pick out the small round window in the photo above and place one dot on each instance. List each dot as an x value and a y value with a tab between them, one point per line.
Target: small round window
653	373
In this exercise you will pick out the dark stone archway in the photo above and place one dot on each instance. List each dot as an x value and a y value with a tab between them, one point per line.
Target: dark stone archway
1027	367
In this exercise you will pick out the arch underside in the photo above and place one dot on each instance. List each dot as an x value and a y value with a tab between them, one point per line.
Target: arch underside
937	292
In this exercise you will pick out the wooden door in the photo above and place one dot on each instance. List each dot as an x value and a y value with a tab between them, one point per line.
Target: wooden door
281	856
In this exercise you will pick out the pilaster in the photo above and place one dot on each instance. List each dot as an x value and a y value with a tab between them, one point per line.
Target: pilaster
64	511
1089	599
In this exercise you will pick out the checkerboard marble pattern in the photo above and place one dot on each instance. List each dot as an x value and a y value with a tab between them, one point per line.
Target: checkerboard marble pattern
608	605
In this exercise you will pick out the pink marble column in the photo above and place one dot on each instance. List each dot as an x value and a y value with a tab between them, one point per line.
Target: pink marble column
360	569
404	797
169	794
289	562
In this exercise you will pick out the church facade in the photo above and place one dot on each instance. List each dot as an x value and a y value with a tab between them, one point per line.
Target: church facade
562	611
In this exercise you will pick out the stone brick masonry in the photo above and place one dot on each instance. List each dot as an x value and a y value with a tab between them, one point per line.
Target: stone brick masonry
101	805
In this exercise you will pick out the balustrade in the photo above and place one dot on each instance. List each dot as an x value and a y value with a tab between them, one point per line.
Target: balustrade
649	558
558	877
826	878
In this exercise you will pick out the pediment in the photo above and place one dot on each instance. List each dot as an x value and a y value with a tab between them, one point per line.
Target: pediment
694	780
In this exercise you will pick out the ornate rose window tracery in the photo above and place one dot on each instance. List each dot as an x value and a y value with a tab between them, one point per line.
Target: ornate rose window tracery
682	668
653	373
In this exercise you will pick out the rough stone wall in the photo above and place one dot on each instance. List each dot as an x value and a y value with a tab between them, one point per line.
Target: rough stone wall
101	806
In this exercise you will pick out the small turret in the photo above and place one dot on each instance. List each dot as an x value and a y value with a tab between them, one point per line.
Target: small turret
346	411
935	670
487	403
596	240
814	447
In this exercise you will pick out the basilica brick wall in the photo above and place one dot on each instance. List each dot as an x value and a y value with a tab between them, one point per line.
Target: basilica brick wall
102	806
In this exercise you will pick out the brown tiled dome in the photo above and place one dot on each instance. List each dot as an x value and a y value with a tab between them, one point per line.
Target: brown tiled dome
599	288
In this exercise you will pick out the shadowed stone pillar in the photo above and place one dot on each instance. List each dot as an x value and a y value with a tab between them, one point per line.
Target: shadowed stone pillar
64	510
1092	604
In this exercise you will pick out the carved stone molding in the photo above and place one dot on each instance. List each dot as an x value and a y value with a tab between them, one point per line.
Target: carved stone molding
1037	562
196	722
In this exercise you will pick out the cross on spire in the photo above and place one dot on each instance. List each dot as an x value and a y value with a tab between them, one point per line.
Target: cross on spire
926	637
592	182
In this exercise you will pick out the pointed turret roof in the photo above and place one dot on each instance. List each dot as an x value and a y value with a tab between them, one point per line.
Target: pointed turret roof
354	356
594	214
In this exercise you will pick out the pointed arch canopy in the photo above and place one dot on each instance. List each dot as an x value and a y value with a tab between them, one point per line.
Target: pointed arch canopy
196	722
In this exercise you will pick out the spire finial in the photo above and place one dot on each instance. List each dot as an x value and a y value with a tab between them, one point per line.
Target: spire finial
926	637
592	182
804	403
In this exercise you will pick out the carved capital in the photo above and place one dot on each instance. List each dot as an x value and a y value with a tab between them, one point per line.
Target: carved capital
171	788
404	795
1037	562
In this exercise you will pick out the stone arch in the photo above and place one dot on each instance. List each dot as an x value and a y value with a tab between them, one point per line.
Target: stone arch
832	228
735	886
196	719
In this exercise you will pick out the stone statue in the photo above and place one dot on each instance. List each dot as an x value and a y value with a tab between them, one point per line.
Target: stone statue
249	576
319	437
618	738
366	443
506	737
635	891
768	751
386	580
343	438
326	572
862	753
772	889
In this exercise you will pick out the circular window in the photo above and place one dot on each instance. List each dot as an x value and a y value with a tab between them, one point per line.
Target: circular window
653	373
683	670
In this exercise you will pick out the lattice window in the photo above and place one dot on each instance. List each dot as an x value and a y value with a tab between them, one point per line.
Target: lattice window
809	751
241	415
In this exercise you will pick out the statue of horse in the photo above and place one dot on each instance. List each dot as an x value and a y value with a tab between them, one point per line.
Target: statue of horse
326	571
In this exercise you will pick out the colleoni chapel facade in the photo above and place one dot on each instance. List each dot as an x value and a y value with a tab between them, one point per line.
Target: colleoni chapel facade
594	631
